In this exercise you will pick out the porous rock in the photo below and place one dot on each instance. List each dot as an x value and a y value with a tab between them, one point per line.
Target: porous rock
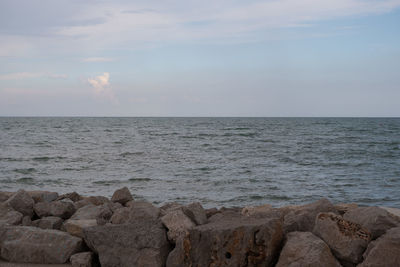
22	202
346	239
82	259
306	249
177	224
375	219
122	195
62	208
35	245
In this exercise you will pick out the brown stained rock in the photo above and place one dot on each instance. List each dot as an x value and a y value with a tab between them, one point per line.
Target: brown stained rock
63	209
83	259
122	195
384	251
306	249
43	196
375	219
342	208
196	213
211	212
8	216
50	222
177	224
346	239
76	227
22	202
138	210
302	218
73	196
35	245
234	240
256	210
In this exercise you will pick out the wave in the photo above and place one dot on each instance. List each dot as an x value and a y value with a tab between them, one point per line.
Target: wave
138	179
25	171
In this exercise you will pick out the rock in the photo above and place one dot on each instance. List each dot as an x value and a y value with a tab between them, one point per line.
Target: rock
75	227
35	245
375	219
83	259
5	195
73	196
170	206
92	200
50	222
342	208
256	210
211	212
43	196
26	221
302	218
346	239
234	240
196	213
9	216
177	224
122	195
385	251
137	211
140	243
13	264
393	211
22	202
305	249
62	208
87	212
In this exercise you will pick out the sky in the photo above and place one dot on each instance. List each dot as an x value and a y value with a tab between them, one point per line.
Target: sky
200	58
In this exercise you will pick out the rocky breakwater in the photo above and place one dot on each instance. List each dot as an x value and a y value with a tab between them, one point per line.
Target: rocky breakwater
39	227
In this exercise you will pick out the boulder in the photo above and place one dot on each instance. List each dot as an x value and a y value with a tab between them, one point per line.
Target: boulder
75	227
302	218
73	196
169	206
92	200
140	243
234	240
384	251
346	239
342	208
26	221
196	213
43	196
122	195
22	202
5	195
305	249
137	211
211	212
50	222
375	219
83	259
35	245
61	208
87	212
393	211
9	216
256	210
177	224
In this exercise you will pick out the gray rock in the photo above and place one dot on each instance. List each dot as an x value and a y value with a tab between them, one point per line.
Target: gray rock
256	210
26	221
63	209
196	213
375	219
13	264
43	196
305	249
234	240
73	196
92	200
5	195
211	212
122	196
342	208
22	202
88	212
177	224
9	216
35	245
83	259
346	239
140	243
137	211
75	227
169	206
50	222
385	251
302	218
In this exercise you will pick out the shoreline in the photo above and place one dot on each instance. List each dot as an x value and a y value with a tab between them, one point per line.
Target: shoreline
44	227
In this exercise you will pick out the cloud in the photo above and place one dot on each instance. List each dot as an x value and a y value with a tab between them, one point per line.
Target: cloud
102	88
30	75
98	59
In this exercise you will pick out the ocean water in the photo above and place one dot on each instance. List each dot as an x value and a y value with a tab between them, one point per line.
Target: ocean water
217	161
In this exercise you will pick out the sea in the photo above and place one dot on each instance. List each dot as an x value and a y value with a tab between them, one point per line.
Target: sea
215	161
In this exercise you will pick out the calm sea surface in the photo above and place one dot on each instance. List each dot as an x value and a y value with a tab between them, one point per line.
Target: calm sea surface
217	161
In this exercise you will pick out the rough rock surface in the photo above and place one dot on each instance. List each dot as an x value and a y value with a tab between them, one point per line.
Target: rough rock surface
136	211
305	249
73	196
303	217
140	243
375	219
22	202
83	259
196	213
43	196
385	251
342	208
34	245
50	222
9	216
233	240
122	195
63	209
75	227
177	224
256	210
346	239
5	195
87	212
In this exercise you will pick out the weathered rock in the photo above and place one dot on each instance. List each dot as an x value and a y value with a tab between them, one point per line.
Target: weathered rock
393	211
62	208
26	221
346	239
22	202
73	196
375	219
83	259
122	195
234	240
302	218
177	224
196	213
385	251
342	208
211	212
92	200
5	195
9	216
50	222
35	245
140	243
14	264
137	211
256	210
305	249
87	212
75	227
169	206
43	196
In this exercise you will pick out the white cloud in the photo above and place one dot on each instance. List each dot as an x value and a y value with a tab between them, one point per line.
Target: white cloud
31	75
98	59
102	88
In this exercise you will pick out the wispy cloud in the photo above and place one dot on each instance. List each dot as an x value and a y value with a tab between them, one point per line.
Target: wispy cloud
31	75
102	88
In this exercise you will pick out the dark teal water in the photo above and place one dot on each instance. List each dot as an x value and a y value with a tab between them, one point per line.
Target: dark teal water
217	161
